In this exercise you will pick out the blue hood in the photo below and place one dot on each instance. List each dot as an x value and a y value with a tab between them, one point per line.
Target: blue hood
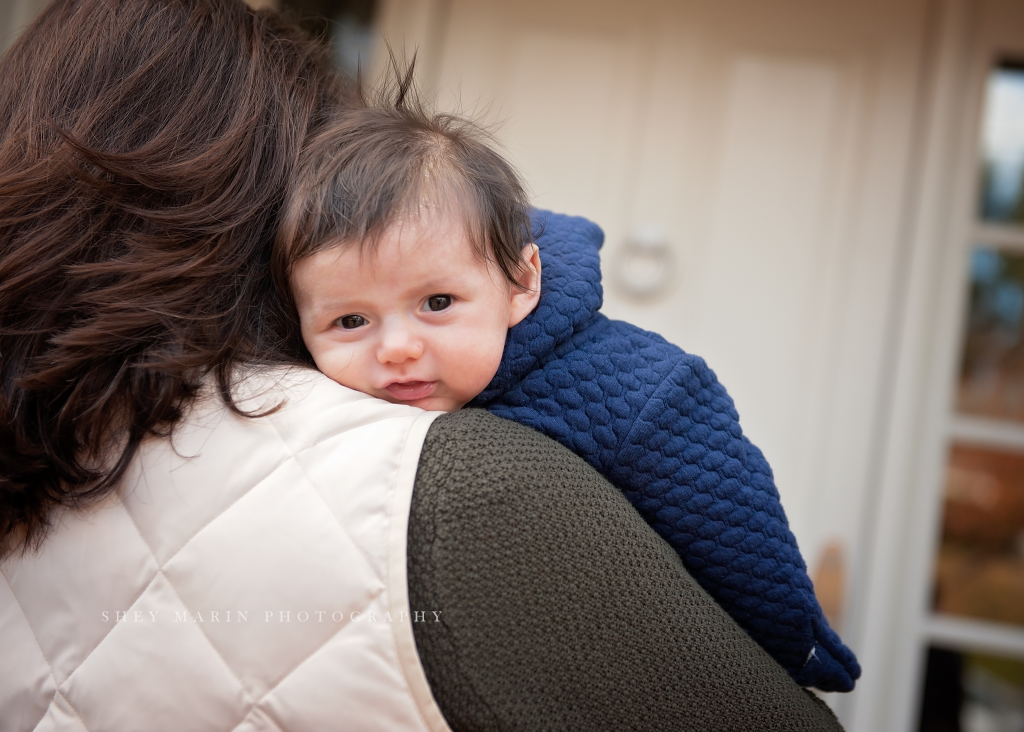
570	297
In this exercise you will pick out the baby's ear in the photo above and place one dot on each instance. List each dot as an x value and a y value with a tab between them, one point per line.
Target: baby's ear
526	292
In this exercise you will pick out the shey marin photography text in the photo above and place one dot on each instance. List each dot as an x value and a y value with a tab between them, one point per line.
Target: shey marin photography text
268	616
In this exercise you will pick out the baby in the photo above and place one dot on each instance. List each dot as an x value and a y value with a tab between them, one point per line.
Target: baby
415	265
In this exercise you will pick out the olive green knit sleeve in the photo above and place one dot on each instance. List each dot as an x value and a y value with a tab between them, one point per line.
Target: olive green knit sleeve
560	609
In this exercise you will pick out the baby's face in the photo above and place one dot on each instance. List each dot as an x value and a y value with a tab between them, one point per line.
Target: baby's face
421	320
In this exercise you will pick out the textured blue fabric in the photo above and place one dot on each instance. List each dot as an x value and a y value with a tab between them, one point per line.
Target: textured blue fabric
655	421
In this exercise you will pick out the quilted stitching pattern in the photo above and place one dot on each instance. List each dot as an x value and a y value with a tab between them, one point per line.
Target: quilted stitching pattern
656	422
227	541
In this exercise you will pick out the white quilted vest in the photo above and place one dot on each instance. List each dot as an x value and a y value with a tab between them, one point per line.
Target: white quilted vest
250	576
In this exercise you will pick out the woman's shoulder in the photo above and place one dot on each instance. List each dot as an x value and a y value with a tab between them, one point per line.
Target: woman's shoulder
496	459
556	602
302	403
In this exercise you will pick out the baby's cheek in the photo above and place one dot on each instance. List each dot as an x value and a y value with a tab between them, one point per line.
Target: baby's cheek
488	359
340	365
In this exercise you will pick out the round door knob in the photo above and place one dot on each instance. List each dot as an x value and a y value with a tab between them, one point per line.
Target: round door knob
643	265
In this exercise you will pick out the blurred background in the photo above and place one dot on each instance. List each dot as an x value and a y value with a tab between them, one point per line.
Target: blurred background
824	200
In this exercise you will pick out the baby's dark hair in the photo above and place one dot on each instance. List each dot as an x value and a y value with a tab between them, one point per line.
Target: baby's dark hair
389	158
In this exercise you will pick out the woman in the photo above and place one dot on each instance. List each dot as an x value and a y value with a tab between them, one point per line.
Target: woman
201	534
145	148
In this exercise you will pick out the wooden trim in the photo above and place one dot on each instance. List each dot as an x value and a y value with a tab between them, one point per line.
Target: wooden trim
979	636
1006	238
986	432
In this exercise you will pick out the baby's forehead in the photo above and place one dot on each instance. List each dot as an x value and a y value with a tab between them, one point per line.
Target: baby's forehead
431	240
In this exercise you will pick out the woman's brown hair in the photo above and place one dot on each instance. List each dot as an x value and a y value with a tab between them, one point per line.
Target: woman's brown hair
145	147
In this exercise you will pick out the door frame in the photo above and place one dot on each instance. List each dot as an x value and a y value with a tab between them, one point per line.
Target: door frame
892	622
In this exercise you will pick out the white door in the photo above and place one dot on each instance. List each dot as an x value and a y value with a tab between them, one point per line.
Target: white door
750	163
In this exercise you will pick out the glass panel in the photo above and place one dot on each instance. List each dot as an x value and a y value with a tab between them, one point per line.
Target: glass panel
980	568
992	369
346	26
1003	146
969	692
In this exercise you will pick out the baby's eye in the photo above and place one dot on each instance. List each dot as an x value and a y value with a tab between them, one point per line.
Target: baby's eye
439	302
349	322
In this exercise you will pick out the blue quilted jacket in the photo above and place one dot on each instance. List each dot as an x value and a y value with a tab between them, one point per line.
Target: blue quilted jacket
655	421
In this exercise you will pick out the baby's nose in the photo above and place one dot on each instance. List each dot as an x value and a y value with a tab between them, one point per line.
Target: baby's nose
399	343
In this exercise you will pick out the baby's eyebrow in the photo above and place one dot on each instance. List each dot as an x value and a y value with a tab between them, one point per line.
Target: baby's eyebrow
440	286
331	309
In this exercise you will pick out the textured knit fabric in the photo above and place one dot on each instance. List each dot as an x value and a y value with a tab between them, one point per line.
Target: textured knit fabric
655	421
560	609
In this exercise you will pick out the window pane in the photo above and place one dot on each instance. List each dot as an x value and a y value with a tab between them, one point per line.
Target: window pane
992	366
346	26
1003	146
980	567
970	692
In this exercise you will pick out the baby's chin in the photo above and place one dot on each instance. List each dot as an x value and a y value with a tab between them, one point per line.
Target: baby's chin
429	404
437	404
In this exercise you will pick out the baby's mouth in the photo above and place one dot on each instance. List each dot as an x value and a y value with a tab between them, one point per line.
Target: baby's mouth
410	391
